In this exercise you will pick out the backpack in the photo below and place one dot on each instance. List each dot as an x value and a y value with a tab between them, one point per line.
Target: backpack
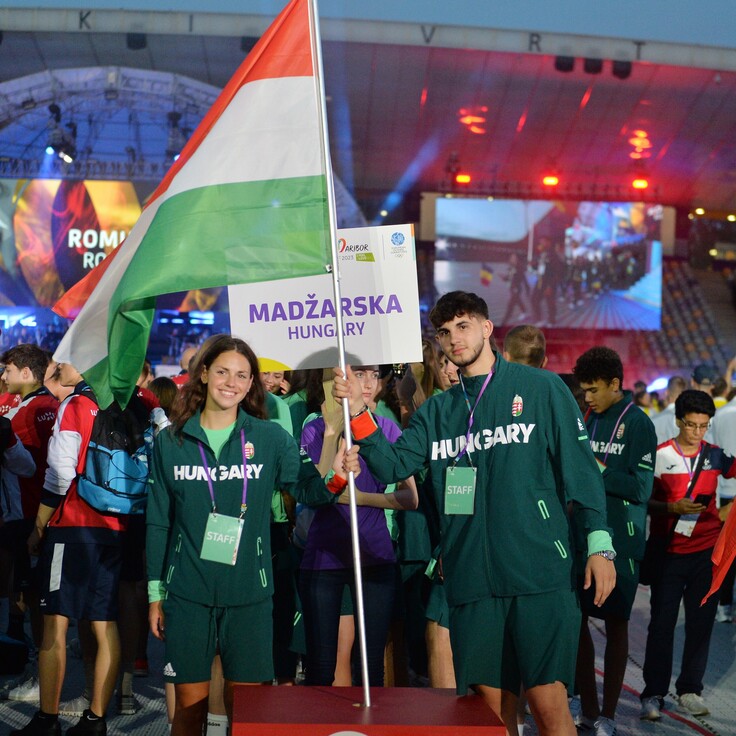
115	477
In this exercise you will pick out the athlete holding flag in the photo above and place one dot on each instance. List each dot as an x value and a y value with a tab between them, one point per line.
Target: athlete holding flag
506	450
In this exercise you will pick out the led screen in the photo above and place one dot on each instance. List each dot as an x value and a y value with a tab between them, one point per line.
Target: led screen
52	233
593	265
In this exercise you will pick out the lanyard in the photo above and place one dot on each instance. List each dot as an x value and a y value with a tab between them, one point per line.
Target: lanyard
689	467
472	412
243	505
615	429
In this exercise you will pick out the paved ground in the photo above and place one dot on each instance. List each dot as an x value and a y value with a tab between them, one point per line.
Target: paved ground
720	689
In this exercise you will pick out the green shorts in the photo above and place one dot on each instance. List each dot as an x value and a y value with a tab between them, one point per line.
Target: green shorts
437	608
621	600
194	633
502	642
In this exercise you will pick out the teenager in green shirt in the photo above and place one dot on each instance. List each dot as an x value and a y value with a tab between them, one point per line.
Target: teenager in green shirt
208	542
624	443
506	558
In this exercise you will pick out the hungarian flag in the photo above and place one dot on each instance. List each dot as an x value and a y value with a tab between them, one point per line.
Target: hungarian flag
246	201
723	554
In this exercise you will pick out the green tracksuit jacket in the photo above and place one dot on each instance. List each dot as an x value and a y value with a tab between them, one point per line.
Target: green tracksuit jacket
628	454
179	503
532	453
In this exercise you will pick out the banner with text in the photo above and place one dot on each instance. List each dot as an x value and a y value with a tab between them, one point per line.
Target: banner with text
291	323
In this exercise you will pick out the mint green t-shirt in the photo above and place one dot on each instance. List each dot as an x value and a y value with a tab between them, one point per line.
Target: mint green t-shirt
218	437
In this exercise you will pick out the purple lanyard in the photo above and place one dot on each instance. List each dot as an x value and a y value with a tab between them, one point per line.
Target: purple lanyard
472	411
613	434
689	468
243	504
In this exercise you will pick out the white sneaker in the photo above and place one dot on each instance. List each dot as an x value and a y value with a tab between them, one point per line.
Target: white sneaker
74	707
693	704
576	711
26	692
723	614
10	685
651	708
605	727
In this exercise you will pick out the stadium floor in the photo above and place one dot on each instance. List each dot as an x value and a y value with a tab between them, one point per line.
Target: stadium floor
719	693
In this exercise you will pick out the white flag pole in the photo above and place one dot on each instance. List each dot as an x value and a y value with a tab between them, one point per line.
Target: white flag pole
322	111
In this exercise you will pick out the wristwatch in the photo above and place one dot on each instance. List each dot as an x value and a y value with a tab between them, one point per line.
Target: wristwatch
608	554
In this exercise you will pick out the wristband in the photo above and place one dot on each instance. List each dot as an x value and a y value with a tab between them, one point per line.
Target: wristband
336	484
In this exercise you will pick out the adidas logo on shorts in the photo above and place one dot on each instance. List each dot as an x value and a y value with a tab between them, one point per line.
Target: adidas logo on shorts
169	670
647	458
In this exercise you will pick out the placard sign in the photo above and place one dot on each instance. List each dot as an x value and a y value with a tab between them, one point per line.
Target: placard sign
290	324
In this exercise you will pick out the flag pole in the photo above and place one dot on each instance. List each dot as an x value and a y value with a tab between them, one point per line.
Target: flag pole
331	209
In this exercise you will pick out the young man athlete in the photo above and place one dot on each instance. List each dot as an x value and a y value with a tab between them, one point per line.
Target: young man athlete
506	450
624	443
32	421
686	522
79	568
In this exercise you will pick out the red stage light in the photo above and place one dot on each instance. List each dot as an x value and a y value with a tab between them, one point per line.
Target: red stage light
640	183
462	178
551	180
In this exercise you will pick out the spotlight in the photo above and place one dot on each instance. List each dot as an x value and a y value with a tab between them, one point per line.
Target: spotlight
59	141
592	66
550	180
640	183
461	178
621	69
136	41
564	64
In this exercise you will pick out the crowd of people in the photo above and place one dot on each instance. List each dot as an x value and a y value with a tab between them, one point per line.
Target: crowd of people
500	508
564	274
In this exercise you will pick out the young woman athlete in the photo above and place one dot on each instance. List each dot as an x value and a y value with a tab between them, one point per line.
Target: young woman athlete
208	547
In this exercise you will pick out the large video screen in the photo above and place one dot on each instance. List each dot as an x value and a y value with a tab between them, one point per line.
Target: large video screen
592	265
52	233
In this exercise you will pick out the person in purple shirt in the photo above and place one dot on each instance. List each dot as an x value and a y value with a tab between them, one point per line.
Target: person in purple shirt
327	563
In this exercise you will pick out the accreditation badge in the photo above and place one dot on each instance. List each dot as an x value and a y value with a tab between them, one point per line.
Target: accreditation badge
686	524
221	539
460	490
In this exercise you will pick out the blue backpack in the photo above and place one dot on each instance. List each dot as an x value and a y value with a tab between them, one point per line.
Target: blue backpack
115	478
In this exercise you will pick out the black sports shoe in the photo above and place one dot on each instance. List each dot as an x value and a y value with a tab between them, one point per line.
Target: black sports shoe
40	725
89	725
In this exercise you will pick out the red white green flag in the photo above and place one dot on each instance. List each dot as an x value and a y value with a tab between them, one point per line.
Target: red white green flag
245	202
723	556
